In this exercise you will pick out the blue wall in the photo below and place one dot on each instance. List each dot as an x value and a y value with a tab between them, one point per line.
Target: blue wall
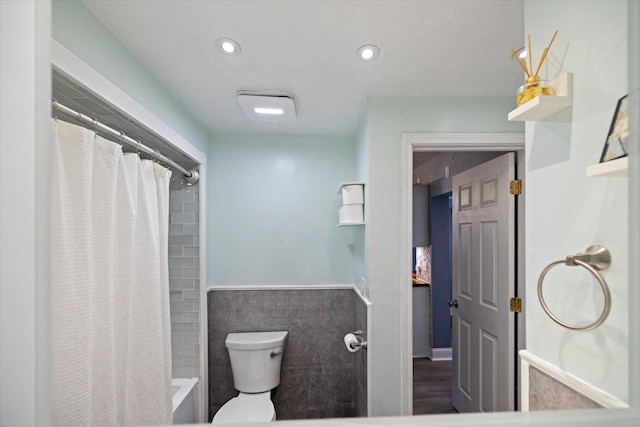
441	269
273	210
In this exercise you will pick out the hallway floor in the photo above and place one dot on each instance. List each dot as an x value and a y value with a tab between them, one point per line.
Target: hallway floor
432	387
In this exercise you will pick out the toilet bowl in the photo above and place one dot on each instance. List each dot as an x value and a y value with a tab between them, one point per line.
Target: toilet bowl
256	358
247	408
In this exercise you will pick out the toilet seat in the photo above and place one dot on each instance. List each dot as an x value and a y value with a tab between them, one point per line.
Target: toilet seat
247	408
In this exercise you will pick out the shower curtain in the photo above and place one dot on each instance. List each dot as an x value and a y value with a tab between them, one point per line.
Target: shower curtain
110	290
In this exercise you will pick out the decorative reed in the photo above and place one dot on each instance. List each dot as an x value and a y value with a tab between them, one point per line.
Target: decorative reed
546	50
523	64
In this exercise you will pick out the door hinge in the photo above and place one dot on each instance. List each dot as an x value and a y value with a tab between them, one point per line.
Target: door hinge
515	305
515	188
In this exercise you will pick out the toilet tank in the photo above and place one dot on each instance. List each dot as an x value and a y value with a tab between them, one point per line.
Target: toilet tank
256	358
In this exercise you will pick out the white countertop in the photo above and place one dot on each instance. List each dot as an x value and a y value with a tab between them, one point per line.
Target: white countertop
581	418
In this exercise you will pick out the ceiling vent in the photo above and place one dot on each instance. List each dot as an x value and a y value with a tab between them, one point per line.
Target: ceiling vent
267	106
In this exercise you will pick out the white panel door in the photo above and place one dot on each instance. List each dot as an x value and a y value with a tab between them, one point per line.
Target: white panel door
483	340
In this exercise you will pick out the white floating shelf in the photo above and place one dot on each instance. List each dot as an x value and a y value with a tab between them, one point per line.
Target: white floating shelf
344	224
541	107
617	167
344	184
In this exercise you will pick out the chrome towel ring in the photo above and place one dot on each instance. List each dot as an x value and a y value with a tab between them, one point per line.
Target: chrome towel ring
595	258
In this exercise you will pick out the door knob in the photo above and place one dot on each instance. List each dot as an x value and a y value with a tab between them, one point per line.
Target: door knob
453	303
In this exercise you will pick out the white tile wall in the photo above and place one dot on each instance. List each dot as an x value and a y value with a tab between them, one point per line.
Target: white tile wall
184	278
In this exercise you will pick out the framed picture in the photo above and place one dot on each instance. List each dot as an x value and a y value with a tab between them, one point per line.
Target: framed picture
617	139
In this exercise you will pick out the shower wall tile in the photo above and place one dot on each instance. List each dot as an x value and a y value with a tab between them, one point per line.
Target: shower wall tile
318	376
191	230
184	278
183	218
180	195
190	338
190	273
175	229
182	240
191	295
191	317
175	251
190	207
181	262
547	393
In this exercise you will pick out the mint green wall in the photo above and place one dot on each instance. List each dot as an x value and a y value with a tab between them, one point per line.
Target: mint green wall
273	210
562	220
75	27
387	119
362	174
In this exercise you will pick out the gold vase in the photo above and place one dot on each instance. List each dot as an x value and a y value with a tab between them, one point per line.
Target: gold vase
533	87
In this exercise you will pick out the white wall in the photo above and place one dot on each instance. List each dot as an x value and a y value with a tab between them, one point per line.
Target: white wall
566	211
634	198
25	99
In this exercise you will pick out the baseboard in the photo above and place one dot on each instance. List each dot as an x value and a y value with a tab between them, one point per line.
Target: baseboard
278	287
442	353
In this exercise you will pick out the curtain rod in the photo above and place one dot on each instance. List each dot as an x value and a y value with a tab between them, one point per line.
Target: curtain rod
191	177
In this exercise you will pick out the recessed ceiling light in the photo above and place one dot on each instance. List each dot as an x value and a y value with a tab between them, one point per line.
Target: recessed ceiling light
368	52
522	53
228	46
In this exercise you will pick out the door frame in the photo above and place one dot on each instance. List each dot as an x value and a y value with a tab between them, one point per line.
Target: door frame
445	142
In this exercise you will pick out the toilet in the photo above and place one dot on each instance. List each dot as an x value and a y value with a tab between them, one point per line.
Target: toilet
256	358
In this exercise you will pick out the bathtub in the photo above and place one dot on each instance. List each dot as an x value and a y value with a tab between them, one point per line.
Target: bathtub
185	393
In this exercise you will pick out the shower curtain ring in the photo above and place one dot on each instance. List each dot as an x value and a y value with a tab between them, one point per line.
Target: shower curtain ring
138	146
95	124
121	138
55	108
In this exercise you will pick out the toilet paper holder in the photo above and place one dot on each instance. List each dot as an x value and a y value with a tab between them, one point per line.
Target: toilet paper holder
359	343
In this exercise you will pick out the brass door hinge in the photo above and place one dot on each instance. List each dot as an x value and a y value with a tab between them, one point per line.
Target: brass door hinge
515	188
515	305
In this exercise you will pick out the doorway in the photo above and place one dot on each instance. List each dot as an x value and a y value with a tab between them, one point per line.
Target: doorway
437	371
432	375
452	145
440	210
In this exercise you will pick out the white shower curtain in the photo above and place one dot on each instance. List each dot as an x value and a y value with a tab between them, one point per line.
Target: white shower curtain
110	295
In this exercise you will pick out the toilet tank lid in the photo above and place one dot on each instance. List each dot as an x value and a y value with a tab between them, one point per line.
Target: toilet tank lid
255	340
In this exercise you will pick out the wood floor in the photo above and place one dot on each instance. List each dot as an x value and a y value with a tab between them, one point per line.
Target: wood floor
432	387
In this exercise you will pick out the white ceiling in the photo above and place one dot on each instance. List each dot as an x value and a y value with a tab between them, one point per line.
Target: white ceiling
427	48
